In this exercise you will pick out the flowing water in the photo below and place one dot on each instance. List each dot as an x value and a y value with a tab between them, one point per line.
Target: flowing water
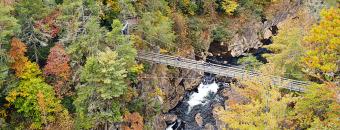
200	101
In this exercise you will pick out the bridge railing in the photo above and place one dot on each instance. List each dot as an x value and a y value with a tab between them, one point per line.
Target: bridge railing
229	71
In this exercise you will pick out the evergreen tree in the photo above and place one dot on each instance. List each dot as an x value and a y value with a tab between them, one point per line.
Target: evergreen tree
29	16
9	27
90	43
103	80
153	6
157	30
287	49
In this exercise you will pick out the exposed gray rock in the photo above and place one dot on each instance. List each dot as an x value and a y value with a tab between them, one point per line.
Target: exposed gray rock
208	127
219	124
199	119
242	42
159	123
250	35
170	117
231	94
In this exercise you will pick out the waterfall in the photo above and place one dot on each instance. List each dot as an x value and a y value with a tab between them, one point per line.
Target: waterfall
199	97
174	126
197	101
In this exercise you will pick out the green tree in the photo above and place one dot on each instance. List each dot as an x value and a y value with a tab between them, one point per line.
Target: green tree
153	6
287	50
122	44
28	15
318	108
254	7
103	80
76	17
188	6
127	9
199	34
157	30
250	62
88	44
9	27
221	33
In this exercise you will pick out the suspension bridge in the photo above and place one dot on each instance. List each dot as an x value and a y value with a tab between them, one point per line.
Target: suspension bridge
222	70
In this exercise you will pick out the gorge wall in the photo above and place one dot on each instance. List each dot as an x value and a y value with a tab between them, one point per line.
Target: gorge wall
252	35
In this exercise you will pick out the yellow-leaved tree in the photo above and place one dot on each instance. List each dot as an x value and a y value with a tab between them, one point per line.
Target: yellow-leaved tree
264	107
321	60
229	6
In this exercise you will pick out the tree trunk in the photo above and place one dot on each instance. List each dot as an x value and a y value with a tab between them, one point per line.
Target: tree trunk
36	53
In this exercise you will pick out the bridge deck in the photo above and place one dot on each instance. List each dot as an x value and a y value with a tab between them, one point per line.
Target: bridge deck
228	71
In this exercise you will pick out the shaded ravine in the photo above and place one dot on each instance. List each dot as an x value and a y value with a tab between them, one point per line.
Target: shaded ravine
199	101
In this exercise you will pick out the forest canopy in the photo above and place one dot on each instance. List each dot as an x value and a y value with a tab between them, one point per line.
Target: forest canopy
73	64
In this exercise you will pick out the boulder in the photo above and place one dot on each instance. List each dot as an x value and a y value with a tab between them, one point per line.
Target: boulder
199	119
170	117
231	94
209	127
219	124
159	123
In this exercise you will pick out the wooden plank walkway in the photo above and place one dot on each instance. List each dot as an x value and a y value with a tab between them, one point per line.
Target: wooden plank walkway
228	71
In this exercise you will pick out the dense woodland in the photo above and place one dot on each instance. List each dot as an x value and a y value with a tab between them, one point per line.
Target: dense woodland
65	64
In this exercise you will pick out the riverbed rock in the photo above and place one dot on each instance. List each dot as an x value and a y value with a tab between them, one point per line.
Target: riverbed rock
190	79
267	34
159	123
216	109
209	127
179	80
234	96
199	119
225	79
170	117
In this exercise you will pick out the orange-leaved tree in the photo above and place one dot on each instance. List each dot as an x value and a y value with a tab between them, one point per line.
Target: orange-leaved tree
135	120
17	53
57	69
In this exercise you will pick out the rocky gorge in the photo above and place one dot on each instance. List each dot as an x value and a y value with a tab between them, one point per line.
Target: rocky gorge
181	84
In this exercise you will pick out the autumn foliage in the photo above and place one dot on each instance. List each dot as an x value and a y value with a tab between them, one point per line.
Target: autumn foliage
48	24
31	96
134	120
57	69
19	61
323	45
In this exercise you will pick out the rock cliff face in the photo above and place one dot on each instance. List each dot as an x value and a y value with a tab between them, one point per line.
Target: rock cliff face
253	34
173	82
